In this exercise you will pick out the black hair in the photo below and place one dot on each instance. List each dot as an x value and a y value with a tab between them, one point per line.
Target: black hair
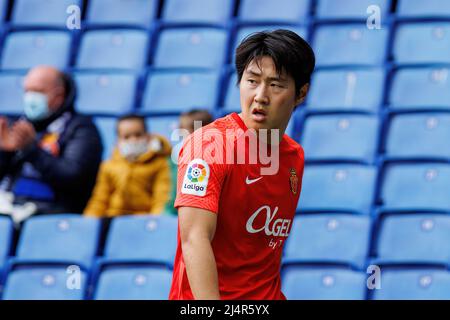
289	52
132	116
202	115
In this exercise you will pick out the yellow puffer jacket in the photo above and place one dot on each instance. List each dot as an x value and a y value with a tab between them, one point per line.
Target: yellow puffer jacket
139	187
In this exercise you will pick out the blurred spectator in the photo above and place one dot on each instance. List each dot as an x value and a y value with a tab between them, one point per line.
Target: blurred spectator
136	180
187	122
49	158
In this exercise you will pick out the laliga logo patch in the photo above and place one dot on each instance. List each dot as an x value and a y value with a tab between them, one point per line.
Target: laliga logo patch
196	178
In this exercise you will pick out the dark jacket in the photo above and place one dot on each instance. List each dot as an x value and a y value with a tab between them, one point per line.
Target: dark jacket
71	175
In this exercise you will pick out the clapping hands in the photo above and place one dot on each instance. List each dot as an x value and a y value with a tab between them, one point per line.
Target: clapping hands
16	137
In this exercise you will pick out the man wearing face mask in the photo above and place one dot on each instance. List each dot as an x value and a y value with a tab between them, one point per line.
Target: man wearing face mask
136	180
49	157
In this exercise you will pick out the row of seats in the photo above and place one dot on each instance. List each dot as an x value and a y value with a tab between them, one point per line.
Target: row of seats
139	251
399	186
349	90
356	137
143	12
303	283
49	244
335	45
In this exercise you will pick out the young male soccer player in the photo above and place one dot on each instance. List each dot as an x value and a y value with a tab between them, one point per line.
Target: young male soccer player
233	218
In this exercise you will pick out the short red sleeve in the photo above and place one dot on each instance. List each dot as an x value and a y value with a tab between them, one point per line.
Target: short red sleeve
201	172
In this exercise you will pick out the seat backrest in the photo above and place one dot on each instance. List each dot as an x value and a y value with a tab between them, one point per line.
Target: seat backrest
414	284
351	9
106	49
193	11
422	43
329	238
421	9
421	88
134	283
349	44
418	186
323	284
191	47
342	187
419	135
123	12
45	284
340	137
294	11
11	92
43	13
347	90
149	238
106	93
195	89
26	49
414	238
60	238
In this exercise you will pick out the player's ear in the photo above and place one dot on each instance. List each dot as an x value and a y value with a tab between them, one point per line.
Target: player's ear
302	95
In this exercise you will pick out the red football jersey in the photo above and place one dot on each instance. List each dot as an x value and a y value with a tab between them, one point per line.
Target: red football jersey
254	211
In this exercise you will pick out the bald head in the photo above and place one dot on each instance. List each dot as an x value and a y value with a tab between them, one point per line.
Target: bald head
49	81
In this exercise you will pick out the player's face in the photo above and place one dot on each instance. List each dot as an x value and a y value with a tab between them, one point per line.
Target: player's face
267	98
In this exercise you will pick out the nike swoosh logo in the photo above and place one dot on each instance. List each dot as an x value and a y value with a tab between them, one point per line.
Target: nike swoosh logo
250	181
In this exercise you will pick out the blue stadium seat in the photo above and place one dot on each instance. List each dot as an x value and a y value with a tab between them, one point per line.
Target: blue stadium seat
422	43
420	88
6	232
106	49
191	47
329	239
26	49
422	9
42	13
420	135
244	31
11	93
108	132
164	126
347	137
3	10
68	238
350	44
294	11
414	239
350	9
418	186
300	283
347	90
134	283
123	12
197	11
343	187
413	284
43	283
142	238
106	93
194	89
232	97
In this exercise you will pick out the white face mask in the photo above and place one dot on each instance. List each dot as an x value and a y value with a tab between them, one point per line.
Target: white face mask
35	105
132	150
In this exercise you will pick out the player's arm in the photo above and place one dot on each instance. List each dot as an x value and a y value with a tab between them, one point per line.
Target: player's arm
197	228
